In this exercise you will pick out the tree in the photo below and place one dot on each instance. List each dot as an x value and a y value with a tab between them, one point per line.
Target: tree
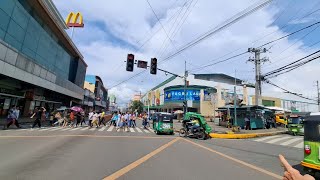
137	105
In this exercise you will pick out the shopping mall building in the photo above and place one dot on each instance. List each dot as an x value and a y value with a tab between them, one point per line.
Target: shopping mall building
39	63
206	92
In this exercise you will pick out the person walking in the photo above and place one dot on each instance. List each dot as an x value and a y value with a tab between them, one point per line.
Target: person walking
129	119
72	119
101	120
39	116
118	120
133	121
90	117
78	117
12	118
144	121
66	115
247	121
95	119
83	118
59	118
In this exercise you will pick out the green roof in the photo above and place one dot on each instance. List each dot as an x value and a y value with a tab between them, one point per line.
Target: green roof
164	82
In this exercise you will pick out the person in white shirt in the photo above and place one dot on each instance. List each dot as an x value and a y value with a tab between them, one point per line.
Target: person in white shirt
119	120
90	118
95	119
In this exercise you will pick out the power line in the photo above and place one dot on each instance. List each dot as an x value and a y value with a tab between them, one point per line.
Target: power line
287	91
292	65
174	23
307	27
217	29
179	25
224	25
224	60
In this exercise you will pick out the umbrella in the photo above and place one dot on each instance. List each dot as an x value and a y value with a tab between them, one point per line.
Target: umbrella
77	109
178	112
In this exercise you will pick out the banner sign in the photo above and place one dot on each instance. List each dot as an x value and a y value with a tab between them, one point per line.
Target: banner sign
178	95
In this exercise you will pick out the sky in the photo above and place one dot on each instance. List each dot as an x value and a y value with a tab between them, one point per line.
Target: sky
115	28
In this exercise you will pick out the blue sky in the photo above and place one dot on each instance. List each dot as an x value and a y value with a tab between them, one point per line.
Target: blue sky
115	28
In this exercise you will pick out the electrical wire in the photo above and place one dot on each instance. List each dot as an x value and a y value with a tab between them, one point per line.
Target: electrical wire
289	92
217	29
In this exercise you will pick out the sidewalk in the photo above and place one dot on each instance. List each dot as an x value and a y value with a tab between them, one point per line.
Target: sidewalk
225	133
22	121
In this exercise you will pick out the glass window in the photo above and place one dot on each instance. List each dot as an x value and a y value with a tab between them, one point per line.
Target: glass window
16	31
20	16
12	41
7	6
4	20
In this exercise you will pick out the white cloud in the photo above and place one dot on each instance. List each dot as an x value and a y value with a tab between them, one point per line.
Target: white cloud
134	22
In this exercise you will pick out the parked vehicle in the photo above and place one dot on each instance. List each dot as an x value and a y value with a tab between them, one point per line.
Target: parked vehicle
311	161
162	123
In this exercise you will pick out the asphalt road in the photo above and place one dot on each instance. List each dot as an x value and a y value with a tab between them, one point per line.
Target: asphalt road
93	154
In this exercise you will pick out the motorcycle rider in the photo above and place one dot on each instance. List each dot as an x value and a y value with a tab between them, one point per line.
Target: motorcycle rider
195	125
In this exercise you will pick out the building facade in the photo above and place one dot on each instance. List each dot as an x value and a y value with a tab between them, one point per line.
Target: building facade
94	84
39	63
291	105
204	93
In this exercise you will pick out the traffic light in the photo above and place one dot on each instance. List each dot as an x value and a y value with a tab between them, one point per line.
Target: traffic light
153	66
130	62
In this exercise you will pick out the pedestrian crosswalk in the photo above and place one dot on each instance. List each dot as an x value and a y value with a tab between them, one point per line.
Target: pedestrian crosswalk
83	129
282	140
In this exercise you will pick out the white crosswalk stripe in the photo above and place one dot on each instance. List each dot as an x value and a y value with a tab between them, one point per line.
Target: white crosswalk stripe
283	140
145	130
102	129
55	129
44	129
74	129
110	129
139	130
277	140
265	138
85	128
300	145
291	141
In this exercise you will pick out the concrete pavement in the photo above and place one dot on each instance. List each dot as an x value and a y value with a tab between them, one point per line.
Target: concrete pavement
86	154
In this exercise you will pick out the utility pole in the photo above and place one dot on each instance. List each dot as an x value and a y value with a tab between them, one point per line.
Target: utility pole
318	96
185	109
235	98
257	62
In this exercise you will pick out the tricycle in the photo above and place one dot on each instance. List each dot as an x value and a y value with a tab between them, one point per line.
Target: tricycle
311	161
295	125
195	126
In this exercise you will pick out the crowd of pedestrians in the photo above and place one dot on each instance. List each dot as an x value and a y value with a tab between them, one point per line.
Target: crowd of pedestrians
68	118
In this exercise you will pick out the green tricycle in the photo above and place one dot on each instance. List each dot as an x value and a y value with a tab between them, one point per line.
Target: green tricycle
311	162
162	123
295	125
200	131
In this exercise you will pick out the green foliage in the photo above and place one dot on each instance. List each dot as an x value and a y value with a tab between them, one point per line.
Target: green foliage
137	106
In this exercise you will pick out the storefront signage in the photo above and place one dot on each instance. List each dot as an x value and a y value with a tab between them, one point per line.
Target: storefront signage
72	20
178	95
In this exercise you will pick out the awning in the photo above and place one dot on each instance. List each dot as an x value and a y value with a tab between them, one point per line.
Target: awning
10	95
55	102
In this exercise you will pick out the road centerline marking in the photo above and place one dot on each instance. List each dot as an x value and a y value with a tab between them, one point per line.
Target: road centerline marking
237	160
135	164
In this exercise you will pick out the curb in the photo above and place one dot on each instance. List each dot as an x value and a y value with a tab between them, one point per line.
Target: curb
244	136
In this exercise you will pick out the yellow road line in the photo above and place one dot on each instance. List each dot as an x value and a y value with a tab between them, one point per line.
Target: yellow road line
133	165
90	136
237	160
